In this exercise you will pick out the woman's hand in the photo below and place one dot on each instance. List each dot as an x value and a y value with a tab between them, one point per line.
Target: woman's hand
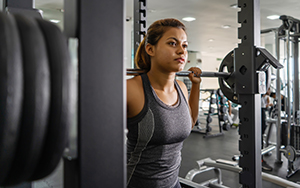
195	75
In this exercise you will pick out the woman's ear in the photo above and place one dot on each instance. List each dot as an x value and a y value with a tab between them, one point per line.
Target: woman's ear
150	49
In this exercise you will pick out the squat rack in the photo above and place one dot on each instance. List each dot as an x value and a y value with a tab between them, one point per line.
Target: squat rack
101	116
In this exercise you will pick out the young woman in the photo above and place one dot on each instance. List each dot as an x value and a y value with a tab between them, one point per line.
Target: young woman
159	114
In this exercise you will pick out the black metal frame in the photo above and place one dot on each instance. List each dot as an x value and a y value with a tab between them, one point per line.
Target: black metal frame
24	4
101	136
139	22
250	112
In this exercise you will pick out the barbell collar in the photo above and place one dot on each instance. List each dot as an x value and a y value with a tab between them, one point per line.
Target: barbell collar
185	73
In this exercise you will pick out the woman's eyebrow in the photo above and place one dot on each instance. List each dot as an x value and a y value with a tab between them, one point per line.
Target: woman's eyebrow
175	39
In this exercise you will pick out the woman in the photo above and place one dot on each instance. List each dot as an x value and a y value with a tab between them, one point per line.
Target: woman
159	116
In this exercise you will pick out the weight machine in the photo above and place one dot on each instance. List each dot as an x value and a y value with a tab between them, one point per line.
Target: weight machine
288	126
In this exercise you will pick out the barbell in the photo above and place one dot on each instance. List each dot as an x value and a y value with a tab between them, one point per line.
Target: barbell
183	73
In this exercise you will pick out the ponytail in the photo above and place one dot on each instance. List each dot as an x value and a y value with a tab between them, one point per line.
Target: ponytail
142	59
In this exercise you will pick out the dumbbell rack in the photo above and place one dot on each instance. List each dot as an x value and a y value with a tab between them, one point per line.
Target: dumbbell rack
223	112
213	99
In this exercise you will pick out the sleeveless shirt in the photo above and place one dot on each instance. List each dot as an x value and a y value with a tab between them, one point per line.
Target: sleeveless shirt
154	140
264	101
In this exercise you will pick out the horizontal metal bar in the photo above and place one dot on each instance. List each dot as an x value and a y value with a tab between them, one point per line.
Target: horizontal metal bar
267	177
267	149
189	183
183	73
268	30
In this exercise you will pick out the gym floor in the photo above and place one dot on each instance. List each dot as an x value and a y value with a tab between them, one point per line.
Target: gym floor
224	147
196	148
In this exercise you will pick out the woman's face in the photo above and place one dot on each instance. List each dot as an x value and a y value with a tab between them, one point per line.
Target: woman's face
170	53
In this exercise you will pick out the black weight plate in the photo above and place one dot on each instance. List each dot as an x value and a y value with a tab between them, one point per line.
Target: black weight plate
227	84
220	92
11	87
208	119
62	99
223	101
223	117
208	129
213	100
226	126
223	109
35	102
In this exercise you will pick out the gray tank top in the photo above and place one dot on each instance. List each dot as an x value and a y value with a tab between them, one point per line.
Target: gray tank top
154	140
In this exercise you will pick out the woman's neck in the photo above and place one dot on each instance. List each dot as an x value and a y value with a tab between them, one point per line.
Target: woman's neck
161	81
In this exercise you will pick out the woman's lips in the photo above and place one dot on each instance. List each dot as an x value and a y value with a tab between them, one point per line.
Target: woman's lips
181	60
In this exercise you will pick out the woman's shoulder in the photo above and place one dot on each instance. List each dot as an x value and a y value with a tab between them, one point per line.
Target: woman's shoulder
135	81
181	84
134	86
183	87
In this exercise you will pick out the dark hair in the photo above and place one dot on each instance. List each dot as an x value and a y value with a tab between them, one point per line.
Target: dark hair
273	94
154	33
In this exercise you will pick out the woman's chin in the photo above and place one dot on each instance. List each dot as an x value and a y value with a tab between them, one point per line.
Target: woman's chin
180	69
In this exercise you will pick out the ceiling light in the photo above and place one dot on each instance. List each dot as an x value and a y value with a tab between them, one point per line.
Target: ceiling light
234	6
55	21
210	40
189	19
226	26
273	17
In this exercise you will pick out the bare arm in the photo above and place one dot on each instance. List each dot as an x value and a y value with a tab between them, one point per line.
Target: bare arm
194	93
194	102
229	107
135	96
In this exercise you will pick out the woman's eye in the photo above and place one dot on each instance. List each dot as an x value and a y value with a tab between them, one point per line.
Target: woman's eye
172	43
185	46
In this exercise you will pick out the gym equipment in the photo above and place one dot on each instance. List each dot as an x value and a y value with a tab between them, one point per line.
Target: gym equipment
208	164
223	101
242	90
140	14
36	100
223	117
226	126
35	117
223	109
62	99
287	124
213	99
211	110
249	64
11	96
208	119
183	73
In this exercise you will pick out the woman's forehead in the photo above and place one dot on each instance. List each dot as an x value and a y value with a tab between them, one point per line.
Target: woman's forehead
175	32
